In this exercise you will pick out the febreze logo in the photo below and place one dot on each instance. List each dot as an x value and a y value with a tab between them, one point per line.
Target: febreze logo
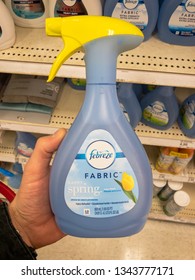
190	6
100	154
130	4
69	2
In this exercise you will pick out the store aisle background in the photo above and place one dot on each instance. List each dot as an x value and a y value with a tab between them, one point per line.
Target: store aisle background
159	240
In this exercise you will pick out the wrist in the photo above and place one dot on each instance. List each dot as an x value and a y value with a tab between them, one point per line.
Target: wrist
12	245
18	224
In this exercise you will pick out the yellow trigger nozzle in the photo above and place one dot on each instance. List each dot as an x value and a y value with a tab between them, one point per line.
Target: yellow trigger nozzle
76	31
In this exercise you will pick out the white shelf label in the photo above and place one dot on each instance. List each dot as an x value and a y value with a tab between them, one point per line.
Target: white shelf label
186	144
191	179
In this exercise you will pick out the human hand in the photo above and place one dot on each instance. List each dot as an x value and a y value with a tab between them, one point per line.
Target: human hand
30	210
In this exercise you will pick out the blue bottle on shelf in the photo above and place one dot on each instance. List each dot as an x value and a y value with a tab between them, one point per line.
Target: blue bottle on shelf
160	108
138	89
101	180
129	103
186	118
176	23
142	13
25	143
160	3
78	84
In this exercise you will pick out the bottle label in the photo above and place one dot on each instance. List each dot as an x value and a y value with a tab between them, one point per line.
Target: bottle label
165	193
133	11
171	208
156	113
28	9
101	183
179	164
164	162
182	21
65	8
187	113
78	82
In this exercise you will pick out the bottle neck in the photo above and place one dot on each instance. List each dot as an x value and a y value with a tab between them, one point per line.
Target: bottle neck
101	102
101	59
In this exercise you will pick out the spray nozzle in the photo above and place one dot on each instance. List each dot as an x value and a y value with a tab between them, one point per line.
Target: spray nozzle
76	31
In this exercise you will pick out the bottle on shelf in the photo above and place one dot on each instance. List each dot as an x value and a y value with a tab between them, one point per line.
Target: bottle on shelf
165	158
160	108
170	188
186	116
143	14
25	143
176	203
176	22
30	14
158	185
181	161
58	8
7	28
129	103
78	84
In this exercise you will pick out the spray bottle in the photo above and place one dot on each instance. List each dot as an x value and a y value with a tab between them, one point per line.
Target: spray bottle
30	14
160	108
7	28
142	13
101	180
176	22
129	103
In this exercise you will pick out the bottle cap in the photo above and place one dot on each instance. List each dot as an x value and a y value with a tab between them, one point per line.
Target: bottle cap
176	186
181	198
159	183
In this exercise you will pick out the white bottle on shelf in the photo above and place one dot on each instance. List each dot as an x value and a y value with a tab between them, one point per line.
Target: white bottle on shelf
30	14
7	28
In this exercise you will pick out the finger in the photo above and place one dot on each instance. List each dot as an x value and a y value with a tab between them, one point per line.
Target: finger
44	149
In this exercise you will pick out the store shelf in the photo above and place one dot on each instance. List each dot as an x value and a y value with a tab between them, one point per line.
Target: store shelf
153	62
7	147
66	110
69	104
8	153
187	176
171	138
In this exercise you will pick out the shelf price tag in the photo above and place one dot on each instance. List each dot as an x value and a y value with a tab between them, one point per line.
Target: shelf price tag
162	176
21	159
191	179
186	144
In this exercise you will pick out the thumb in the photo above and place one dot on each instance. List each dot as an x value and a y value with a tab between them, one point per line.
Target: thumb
43	151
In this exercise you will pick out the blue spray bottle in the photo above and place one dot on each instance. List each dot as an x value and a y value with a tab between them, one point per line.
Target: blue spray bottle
101	180
142	13
129	103
176	23
186	117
